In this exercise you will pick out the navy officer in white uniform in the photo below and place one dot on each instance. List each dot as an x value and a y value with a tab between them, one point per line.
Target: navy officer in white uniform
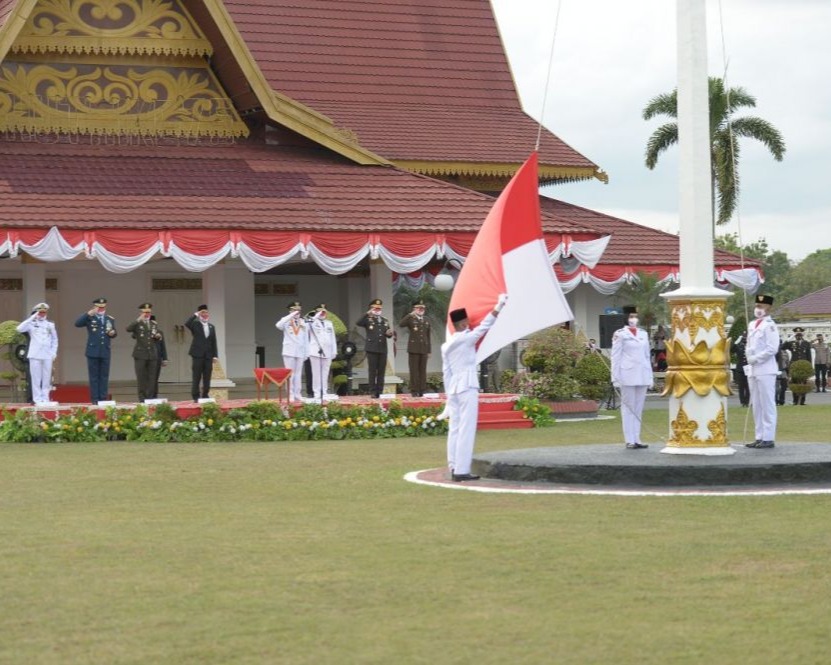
461	383
632	373
295	347
43	349
761	370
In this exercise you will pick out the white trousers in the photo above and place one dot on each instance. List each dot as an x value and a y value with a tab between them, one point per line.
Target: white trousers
464	414
41	371
631	411
763	402
295	364
320	375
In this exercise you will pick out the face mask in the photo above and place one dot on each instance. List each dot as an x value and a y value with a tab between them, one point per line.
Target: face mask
376	312
101	310
633	321
758	312
41	315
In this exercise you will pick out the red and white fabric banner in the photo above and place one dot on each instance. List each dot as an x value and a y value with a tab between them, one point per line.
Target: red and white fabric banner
509	255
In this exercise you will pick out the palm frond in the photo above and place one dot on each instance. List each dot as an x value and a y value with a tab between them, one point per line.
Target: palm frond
761	130
726	176
661	139
665	104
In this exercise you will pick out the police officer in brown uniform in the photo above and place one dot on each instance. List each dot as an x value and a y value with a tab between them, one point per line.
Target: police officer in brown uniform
418	347
145	352
378	330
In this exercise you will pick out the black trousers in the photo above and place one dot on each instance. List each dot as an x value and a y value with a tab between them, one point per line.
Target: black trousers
820	376
781	389
418	373
146	377
742	385
376	366
201	370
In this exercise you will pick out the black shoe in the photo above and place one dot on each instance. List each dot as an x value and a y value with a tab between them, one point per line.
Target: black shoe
755	444
461	477
766	444
637	446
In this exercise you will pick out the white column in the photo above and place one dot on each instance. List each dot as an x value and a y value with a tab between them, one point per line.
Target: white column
696	381
34	285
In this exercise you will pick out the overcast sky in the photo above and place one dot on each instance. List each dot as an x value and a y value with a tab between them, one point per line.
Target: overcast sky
612	56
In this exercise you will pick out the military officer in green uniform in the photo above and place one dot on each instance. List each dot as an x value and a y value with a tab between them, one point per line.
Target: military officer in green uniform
378	330
800	350
145	352
418	347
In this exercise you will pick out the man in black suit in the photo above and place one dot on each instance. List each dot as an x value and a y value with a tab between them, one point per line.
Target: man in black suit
203	350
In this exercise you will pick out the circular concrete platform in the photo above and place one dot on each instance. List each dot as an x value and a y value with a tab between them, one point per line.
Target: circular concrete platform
614	465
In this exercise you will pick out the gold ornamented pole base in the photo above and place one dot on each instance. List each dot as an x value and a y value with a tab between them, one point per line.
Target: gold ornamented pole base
698	378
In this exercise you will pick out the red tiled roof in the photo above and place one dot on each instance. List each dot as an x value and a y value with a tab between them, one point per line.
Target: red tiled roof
6	7
240	186
631	243
424	80
817	303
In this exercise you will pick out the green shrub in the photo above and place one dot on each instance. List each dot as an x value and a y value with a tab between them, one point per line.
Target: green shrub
593	375
800	371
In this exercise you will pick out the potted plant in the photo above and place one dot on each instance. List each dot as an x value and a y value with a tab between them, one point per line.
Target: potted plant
800	372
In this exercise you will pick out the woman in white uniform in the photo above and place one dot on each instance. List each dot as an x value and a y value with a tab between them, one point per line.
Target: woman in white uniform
43	349
295	347
632	373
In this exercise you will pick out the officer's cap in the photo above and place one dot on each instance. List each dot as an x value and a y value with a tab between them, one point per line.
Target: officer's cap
418	303
294	306
764	300
799	330
41	307
202	308
99	302
146	307
629	309
458	315
376	303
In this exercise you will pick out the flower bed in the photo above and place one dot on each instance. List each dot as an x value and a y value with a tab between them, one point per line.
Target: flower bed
258	421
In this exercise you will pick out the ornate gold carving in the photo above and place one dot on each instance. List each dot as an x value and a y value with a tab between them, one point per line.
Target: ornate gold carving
161	27
718	429
704	367
115	100
683	429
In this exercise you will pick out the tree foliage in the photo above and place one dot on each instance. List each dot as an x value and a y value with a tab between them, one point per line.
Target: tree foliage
644	292
725	130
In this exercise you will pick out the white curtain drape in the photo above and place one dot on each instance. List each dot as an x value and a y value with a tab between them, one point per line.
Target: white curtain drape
336	265
196	262
258	263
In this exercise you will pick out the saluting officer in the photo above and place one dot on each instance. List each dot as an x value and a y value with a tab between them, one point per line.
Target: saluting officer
378	330
761	369
418	347
100	331
295	347
43	348
323	347
145	352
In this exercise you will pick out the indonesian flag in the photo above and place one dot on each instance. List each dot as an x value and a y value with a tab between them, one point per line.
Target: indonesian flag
509	256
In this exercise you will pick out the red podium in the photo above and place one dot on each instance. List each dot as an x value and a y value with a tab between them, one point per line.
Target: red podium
267	376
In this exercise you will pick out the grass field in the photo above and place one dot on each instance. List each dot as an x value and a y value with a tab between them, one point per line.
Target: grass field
320	553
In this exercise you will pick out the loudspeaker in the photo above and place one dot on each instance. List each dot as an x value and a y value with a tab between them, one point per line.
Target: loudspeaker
608	323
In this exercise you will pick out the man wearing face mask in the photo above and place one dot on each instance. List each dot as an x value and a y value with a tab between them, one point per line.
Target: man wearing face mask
323	347
295	347
43	349
800	349
378	330
632	373
203	351
145	352
761	370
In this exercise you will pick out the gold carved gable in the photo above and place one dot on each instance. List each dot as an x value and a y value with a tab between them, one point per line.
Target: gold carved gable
114	67
161	27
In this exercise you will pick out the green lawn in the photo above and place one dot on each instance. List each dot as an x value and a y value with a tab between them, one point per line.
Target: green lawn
319	552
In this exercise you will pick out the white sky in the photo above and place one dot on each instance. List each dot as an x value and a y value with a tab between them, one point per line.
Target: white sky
612	56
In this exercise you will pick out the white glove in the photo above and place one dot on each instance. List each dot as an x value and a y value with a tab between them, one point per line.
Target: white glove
319	315
751	360
616	384
500	301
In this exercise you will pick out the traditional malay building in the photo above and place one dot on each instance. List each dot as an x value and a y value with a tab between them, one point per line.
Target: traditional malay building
245	154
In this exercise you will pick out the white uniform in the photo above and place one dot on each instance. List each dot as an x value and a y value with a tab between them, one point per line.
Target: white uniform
762	345
461	383
632	371
43	348
295	350
323	348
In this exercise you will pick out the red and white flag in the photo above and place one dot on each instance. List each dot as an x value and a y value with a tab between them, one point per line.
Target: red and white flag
509	256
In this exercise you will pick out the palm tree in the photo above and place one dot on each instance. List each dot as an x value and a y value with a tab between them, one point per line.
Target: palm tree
725	146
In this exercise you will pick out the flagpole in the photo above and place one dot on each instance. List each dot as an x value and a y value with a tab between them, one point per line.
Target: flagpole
697	379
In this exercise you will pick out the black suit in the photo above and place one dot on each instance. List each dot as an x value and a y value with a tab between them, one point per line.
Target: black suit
203	350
